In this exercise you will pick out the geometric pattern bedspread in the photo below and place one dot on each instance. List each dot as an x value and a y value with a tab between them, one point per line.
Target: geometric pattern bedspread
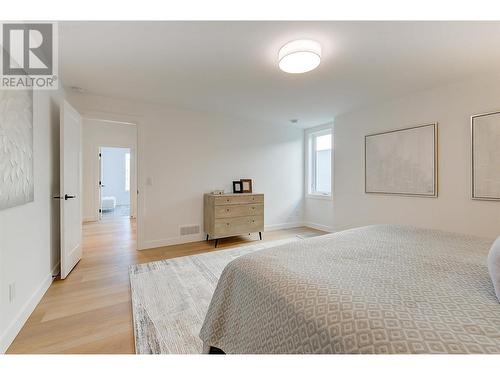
376	289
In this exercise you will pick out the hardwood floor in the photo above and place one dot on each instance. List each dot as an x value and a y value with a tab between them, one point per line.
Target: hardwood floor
90	311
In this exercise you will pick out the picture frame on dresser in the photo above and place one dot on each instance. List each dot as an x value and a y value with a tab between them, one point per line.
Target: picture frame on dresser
237	187
485	156
246	185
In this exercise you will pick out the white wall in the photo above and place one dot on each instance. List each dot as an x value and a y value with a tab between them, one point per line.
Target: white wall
96	134
318	213
183	154
453	210
113	174
29	234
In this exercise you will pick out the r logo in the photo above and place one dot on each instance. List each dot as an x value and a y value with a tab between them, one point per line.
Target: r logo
28	49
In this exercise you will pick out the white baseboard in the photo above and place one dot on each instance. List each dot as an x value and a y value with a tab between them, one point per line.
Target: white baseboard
284	226
15	326
170	241
324	228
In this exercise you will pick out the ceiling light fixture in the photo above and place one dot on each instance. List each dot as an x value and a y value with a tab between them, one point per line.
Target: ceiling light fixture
299	56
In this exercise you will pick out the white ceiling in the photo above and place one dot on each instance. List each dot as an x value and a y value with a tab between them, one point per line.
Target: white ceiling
231	67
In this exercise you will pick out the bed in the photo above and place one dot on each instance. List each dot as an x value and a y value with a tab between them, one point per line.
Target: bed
375	289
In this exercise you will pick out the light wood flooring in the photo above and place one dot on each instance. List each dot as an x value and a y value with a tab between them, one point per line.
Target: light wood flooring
90	311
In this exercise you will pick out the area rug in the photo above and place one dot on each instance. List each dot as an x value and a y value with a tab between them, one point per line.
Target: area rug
170	298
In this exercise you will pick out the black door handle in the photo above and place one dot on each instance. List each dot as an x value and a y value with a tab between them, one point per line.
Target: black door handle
66	197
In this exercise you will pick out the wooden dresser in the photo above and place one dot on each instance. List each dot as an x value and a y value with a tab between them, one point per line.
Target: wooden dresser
233	214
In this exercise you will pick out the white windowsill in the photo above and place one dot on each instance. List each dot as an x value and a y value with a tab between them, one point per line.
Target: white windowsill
320	196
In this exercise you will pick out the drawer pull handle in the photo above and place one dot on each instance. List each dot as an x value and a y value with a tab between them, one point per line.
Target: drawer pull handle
253	208
227	223
253	221
227	209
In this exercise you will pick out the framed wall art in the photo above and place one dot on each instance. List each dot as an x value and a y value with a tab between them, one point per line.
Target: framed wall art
16	148
402	162
485	156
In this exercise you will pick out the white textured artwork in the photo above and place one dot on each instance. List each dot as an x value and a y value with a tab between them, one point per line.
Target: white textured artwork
402	161
486	156
16	148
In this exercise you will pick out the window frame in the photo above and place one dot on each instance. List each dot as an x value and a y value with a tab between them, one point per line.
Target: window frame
310	176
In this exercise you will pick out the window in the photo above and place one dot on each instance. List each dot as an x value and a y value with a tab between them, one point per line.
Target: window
127	171
320	163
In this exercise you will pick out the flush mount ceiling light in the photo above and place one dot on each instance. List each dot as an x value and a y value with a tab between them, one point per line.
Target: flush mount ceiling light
299	56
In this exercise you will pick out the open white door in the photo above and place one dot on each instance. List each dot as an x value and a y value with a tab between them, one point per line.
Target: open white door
70	190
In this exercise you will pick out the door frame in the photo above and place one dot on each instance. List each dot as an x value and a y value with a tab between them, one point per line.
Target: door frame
136	120
133	177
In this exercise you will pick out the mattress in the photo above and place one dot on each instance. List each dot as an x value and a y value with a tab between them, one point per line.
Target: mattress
376	289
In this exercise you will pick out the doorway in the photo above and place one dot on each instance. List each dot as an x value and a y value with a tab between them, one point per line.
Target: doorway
110	194
115	182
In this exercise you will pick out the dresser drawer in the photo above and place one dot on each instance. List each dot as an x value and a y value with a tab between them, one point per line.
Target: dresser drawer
238	225
237	210
239	199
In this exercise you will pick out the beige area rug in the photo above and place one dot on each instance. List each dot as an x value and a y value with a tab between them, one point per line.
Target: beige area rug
170	298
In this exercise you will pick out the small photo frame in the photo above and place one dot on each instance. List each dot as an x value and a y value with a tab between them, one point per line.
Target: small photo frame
246	185
237	187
